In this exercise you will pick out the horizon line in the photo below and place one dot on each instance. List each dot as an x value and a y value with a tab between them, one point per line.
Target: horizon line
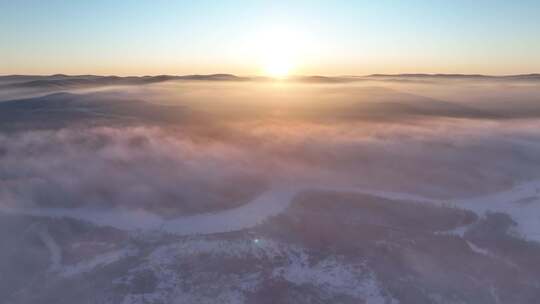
284	78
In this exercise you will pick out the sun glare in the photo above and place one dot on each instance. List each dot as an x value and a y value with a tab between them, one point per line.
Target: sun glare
278	52
278	67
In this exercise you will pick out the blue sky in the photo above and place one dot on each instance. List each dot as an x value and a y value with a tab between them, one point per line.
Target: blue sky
327	37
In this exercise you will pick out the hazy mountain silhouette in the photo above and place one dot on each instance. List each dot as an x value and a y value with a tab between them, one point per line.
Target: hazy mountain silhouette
64	81
460	76
61	109
59	81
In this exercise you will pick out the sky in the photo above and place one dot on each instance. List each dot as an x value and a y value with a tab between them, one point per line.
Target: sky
340	37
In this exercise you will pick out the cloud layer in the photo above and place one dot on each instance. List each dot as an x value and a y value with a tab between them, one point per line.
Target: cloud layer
178	148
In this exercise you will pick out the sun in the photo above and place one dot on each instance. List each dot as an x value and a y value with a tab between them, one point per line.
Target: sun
278	67
278	51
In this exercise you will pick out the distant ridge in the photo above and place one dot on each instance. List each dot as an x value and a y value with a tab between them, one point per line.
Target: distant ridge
59	81
413	75
62	81
228	76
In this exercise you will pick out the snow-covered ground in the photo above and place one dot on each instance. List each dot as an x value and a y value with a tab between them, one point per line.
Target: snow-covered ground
330	275
99	260
522	203
248	215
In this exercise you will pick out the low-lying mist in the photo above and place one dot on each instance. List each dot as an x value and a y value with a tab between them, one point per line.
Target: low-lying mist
183	147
